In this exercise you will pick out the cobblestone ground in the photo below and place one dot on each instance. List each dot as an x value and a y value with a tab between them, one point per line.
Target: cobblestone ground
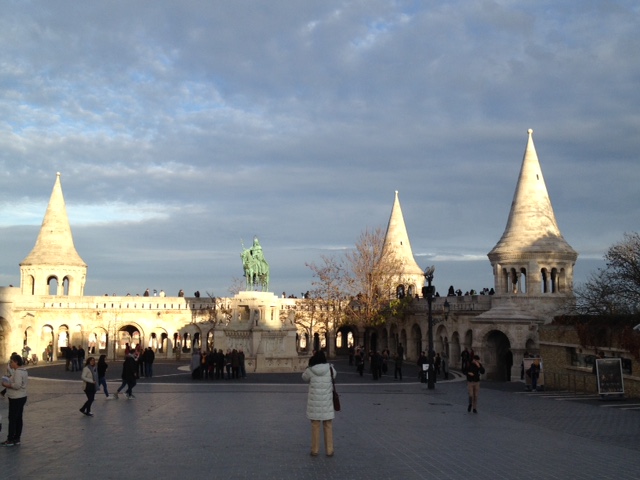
256	428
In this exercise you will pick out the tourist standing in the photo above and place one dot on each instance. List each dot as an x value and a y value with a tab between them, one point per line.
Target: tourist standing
89	377
320	402
473	382
16	386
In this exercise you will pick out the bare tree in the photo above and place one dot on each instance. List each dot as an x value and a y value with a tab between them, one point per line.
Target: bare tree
328	292
615	288
370	278
237	285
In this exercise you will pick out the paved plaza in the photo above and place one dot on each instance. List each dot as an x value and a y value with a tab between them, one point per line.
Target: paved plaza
256	428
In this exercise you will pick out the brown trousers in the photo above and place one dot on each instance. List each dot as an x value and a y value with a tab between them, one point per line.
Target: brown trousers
328	436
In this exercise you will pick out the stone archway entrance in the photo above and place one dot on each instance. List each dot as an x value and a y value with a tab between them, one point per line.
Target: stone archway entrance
495	353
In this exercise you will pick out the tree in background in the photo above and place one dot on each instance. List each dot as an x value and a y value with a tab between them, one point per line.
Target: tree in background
359	286
614	289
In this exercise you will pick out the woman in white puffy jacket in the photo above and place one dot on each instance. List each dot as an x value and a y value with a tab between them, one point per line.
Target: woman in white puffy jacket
320	402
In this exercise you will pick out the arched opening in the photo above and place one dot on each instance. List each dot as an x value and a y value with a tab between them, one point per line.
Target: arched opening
65	286
210	338
545	280
554	280
29	285
384	339
455	350
164	339
52	285
414	346
400	291
494	356
127	334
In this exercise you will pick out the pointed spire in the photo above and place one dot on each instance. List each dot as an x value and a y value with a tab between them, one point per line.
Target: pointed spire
532	225
54	245
397	239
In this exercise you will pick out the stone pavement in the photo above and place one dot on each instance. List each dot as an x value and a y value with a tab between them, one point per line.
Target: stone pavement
256	428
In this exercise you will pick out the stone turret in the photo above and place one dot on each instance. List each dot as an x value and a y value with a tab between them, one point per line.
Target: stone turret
411	279
54	267
532	257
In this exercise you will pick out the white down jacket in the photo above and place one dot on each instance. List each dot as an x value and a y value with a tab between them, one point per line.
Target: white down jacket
320	398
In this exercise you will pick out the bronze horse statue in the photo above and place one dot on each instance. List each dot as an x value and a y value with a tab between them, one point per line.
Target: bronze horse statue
256	268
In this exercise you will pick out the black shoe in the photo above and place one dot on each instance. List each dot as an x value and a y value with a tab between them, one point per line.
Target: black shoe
81	410
475	411
469	408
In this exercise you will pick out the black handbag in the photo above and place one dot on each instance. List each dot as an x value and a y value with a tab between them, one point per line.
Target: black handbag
336	397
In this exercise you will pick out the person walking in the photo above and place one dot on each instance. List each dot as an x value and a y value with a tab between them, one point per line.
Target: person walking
102	375
474	371
129	375
319	375
89	377
16	386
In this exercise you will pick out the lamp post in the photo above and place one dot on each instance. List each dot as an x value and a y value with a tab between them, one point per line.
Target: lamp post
427	292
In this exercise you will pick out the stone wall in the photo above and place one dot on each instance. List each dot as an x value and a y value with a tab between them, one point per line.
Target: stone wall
567	363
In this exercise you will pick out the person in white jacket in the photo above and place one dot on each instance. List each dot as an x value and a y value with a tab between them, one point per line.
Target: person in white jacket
320	402
16	386
89	377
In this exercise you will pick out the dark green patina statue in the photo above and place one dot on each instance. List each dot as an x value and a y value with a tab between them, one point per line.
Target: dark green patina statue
256	268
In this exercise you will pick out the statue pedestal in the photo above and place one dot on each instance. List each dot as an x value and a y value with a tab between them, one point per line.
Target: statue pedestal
265	332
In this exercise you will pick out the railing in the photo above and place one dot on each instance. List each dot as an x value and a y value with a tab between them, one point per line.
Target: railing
577	383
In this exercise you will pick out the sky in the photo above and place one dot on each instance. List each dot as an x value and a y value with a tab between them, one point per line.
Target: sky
183	129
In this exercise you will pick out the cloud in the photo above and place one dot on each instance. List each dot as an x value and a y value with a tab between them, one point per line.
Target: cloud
185	127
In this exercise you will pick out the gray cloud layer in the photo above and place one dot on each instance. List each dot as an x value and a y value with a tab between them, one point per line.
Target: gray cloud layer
181	128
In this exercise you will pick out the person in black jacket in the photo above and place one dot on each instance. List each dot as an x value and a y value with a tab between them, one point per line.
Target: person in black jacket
129	375
473	382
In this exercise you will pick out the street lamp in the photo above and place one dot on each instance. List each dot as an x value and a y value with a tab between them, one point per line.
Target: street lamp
427	292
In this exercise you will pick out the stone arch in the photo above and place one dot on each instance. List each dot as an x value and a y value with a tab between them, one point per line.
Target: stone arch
400	291
403	340
531	346
349	338
52	285
130	333
159	340
209	340
46	337
455	350
414	345
5	334
495	345
441	340
191	338
468	340
29	337
393	339
384	340
97	341
29	286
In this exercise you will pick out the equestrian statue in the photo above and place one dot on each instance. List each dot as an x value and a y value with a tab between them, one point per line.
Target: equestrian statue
256	268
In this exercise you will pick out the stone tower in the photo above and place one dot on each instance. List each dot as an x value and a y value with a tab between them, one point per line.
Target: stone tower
54	267
411	279
532	258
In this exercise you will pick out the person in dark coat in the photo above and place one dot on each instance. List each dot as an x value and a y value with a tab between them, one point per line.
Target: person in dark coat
376	365
422	373
129	375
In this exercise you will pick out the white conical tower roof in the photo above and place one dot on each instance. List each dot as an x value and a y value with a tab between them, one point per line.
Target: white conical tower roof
532	226
397	240
54	246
